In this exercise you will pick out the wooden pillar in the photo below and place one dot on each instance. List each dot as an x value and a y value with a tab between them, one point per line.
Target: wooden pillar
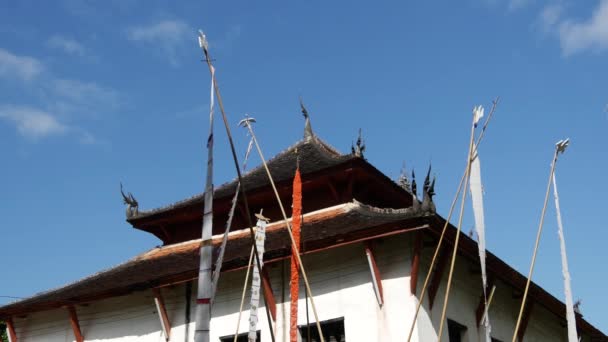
75	324
376	278
415	262
268	294
162	313
10	327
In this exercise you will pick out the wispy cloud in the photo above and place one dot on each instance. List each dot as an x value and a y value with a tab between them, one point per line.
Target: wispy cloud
168	35
549	16
53	100
23	67
518	4
85	93
590	34
68	45
31	122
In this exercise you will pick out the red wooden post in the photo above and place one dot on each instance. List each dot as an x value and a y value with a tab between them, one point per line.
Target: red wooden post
268	294
12	335
162	312
75	325
415	263
376	278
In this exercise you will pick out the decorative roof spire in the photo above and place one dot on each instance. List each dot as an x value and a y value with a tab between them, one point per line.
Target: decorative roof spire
428	191
307	127
414	185
427	181
131	202
403	180
359	147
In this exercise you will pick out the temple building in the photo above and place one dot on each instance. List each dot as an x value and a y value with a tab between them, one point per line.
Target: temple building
367	242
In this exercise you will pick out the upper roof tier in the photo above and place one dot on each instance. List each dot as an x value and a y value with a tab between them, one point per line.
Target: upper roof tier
329	178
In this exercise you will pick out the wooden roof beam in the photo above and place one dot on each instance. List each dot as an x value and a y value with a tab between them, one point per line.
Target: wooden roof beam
162	313
268	294
376	277
75	324
415	262
10	327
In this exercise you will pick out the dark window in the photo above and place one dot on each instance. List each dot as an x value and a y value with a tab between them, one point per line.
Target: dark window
456	331
239	338
333	328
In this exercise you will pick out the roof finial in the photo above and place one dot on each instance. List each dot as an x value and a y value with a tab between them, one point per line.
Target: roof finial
414	185
427	181
359	147
403	180
131	202
307	127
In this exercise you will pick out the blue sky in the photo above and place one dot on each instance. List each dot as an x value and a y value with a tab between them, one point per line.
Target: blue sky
94	93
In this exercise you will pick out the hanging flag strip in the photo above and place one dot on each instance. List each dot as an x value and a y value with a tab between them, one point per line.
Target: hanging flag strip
294	282
571	319
220	258
477	200
203	301
260	237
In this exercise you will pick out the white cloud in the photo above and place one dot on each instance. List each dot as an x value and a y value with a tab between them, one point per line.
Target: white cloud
590	34
56	99
549	16
31	122
68	45
22	67
167	35
517	4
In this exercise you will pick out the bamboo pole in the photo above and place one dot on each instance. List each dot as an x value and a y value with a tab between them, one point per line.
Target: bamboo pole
488	303
295	248
454	253
238	171
238	320
445	226
561	145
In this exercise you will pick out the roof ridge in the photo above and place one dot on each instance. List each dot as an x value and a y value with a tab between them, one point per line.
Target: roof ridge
327	152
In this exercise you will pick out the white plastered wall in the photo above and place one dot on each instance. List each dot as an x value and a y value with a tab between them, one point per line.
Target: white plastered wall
341	283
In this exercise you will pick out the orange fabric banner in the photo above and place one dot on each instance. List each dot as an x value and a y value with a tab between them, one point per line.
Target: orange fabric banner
294	285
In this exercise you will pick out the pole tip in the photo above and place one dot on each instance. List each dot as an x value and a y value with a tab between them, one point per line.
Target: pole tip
202	40
247	121
561	145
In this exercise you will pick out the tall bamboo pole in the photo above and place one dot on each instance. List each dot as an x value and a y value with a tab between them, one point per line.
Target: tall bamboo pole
445	226
454	253
560	147
295	248
208	59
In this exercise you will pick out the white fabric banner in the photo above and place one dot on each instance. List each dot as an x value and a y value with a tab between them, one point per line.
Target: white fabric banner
260	237
477	200
572	334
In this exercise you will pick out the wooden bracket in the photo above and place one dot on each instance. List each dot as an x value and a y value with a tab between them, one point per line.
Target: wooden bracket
10	326
376	278
525	320
333	190
268	294
162	313
75	324
415	262
436	278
